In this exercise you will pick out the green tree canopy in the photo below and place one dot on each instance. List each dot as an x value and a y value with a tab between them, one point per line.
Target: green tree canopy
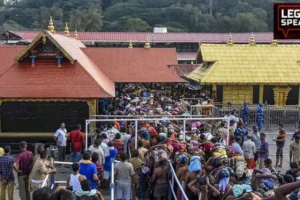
136	25
142	15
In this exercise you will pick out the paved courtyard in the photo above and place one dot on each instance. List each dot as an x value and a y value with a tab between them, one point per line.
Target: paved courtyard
64	172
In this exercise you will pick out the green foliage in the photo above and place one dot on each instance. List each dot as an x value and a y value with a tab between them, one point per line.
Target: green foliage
86	20
11	26
135	25
141	15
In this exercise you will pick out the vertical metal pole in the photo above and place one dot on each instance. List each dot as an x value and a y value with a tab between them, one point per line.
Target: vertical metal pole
136	132
52	176
172	179
184	129
112	181
86	133
228	126
172	184
183	186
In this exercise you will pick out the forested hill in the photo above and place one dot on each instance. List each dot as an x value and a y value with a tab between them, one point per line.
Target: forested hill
140	15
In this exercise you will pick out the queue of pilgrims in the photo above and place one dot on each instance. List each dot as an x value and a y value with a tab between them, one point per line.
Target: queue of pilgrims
205	164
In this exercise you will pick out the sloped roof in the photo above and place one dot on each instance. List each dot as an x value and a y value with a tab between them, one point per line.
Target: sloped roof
7	61
260	37
183	69
245	64
135	65
83	79
49	81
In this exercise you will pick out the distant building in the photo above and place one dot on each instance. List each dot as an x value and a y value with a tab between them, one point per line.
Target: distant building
57	78
186	44
252	72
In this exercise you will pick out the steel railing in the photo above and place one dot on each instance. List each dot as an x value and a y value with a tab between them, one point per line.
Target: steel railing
184	120
172	186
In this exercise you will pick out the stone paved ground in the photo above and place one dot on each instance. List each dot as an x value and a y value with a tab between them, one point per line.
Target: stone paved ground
64	172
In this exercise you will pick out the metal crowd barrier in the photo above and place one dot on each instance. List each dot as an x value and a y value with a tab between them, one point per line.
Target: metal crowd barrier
88	121
145	116
289	116
171	183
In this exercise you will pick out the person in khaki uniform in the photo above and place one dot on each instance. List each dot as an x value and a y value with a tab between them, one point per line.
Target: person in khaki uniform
39	171
137	164
295	151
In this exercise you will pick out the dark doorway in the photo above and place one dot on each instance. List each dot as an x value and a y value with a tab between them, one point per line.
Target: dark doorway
255	94
42	116
269	94
293	95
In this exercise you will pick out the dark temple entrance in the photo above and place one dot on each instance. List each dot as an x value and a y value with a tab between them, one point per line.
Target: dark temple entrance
42	116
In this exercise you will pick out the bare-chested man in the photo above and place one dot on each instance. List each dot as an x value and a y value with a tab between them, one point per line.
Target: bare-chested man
160	180
194	169
181	171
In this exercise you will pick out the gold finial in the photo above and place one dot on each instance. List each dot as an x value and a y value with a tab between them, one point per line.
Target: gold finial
76	35
147	44
274	42
230	41
130	45
50	26
67	33
252	40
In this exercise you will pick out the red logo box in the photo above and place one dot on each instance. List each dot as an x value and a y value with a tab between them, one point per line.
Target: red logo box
286	20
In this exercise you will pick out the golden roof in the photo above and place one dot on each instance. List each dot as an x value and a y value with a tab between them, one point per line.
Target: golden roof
245	64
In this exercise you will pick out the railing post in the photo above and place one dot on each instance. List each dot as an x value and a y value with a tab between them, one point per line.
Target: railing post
86	133
184	129
52	176
228	129
172	184
183	186
136	134
112	181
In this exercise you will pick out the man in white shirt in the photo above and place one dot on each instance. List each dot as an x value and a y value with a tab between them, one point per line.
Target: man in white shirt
249	149
255	137
236	148
60	138
97	149
232	117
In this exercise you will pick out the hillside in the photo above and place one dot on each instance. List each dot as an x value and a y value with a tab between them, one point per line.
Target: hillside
140	15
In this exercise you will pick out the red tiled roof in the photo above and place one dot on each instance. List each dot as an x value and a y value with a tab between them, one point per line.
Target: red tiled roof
183	69
83	79
186	55
8	54
49	81
136	64
260	37
74	48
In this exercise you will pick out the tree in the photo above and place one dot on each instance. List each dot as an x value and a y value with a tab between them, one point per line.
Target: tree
41	20
86	20
247	22
186	15
207	23
11	26
136	25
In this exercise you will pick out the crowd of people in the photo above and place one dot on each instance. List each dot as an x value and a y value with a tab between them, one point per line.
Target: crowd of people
208	163
151	99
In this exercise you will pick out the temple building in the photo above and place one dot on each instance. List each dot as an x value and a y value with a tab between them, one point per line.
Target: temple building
57	78
252	72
